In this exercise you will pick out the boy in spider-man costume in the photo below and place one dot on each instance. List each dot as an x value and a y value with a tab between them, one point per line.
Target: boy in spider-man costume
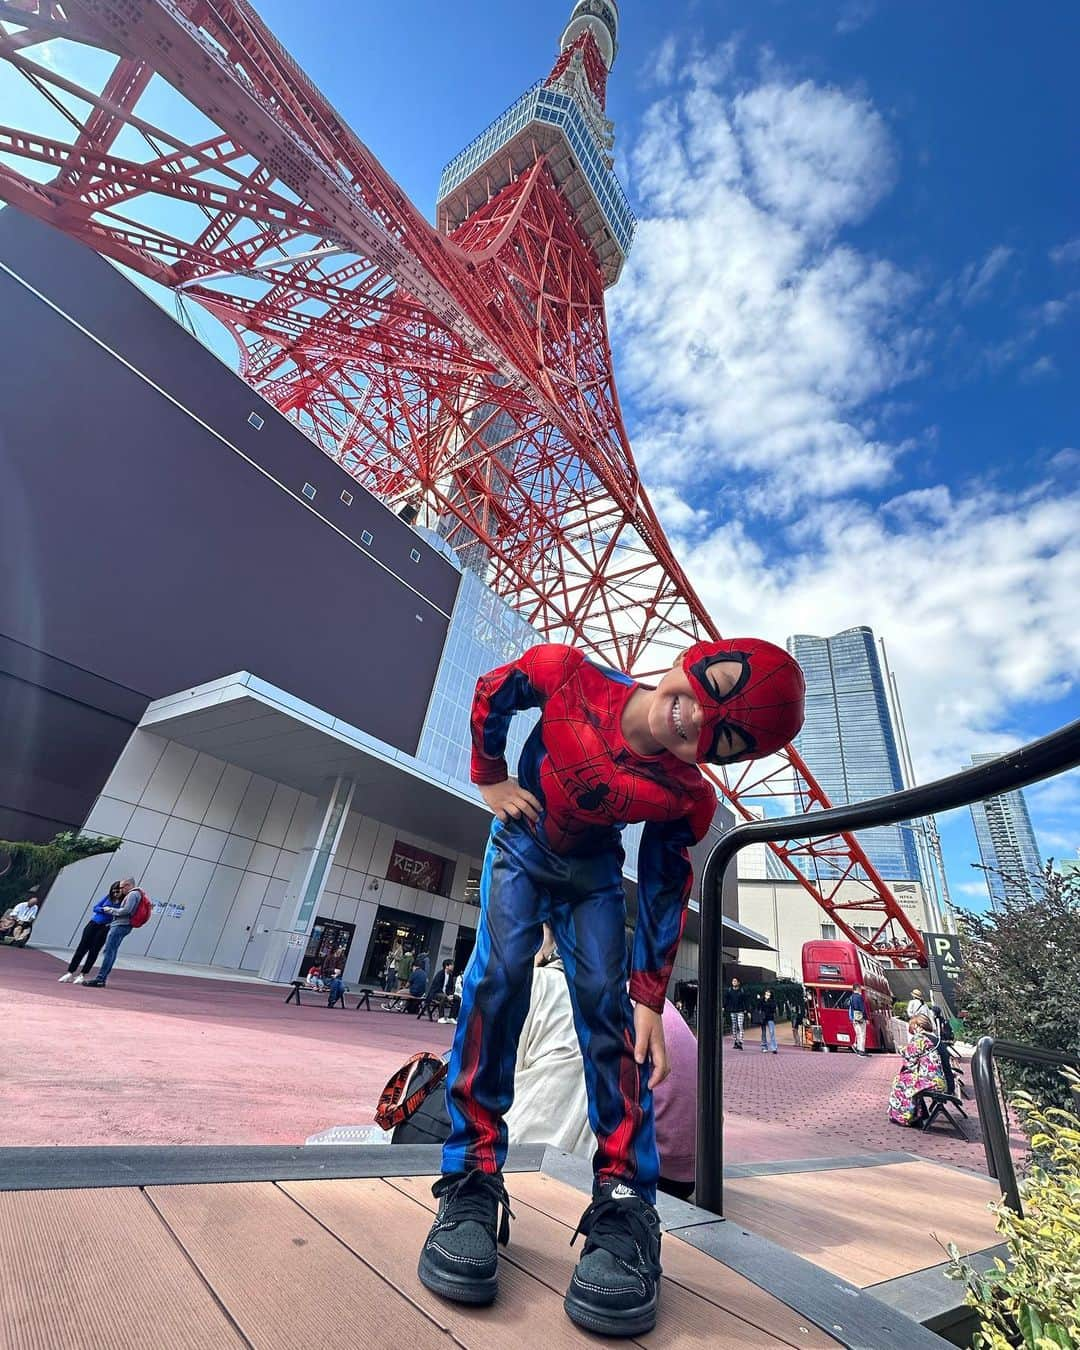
606	752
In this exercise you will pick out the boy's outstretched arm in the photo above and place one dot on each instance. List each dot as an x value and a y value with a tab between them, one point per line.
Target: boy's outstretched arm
525	683
664	879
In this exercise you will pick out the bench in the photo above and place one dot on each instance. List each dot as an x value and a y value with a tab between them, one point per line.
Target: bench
297	985
363	1000
401	1002
937	1105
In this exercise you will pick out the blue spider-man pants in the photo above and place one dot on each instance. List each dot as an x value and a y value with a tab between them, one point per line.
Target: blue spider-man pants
523	884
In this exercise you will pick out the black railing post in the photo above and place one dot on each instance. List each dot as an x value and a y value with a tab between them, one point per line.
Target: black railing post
993	1116
710	1153
1041	759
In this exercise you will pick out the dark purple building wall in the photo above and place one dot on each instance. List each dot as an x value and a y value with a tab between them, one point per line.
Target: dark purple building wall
139	555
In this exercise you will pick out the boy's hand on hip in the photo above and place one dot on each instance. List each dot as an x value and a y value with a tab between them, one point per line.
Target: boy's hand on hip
649	1042
510	801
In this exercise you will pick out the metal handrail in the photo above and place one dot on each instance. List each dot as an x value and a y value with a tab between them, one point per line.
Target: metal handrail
995	1131
1043	758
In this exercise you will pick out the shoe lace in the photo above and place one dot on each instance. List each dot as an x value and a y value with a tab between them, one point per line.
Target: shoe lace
621	1228
477	1196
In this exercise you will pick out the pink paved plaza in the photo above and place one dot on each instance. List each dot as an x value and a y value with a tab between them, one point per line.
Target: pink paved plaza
168	1059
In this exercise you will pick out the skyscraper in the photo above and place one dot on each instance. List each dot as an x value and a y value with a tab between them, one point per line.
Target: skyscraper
1007	843
848	740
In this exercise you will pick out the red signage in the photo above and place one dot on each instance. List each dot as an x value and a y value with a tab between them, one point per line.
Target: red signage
415	867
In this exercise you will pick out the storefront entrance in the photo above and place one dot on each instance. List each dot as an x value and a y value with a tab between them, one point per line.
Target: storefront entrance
392	927
463	949
328	946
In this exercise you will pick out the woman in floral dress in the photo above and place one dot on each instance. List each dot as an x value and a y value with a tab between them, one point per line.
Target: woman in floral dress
920	1071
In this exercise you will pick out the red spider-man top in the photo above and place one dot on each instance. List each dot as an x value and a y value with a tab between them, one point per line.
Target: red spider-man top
590	783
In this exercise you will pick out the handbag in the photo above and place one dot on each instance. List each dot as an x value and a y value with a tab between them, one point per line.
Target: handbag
408	1089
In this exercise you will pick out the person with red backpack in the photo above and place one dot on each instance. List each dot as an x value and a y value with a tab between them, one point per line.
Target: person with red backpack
132	912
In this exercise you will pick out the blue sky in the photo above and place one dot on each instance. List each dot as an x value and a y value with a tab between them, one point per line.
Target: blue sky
846	337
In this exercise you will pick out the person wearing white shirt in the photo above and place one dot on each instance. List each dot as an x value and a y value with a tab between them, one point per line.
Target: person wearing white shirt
918	1007
15	924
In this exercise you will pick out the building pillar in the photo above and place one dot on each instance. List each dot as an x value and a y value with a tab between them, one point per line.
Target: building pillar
299	906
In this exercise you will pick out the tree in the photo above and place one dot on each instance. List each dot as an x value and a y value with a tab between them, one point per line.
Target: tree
25	867
1021	975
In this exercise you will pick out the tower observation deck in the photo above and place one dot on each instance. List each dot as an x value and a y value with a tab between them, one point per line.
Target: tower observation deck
561	120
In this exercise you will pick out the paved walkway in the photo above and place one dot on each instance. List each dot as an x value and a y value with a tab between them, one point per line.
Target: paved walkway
166	1059
802	1104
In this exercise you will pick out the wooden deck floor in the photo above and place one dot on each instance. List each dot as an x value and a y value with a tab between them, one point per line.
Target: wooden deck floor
868	1224
327	1262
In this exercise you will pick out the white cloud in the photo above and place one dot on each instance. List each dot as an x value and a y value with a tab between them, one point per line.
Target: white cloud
1041	369
47	53
1069	252
759	351
854	14
661	67
676	514
977	279
749	337
1055	813
1052	312
817	157
973	596
976	889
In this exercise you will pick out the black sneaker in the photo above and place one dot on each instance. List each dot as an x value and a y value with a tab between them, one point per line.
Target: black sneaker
615	1287
460	1259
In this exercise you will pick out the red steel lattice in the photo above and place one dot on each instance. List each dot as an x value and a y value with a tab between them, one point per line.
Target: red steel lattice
468	378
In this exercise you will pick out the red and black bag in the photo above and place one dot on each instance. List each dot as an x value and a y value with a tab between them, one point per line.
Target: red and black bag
142	911
413	1103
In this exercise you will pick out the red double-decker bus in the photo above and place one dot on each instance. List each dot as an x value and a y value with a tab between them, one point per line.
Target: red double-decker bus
831	970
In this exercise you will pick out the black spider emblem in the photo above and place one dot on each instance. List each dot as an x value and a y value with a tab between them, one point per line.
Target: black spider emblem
590	799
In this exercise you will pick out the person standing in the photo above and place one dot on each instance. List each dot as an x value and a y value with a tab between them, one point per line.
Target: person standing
766	1015
607	752
404	969
93	937
918	1006
857	1012
735	1007
119	928
390	976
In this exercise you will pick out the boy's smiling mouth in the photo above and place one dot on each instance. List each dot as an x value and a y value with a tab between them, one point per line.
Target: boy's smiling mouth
676	719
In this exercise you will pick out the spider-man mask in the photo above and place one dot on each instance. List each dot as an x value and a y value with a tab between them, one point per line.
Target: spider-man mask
766	703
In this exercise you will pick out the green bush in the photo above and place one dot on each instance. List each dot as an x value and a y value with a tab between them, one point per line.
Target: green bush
1034	1300
29	867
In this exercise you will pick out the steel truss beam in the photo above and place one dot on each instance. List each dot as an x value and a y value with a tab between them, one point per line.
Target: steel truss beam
469	377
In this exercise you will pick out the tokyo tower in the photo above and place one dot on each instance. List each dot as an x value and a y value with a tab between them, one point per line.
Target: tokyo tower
460	372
